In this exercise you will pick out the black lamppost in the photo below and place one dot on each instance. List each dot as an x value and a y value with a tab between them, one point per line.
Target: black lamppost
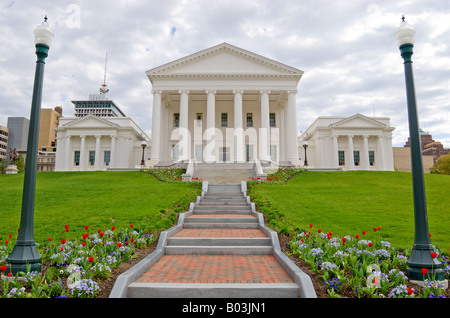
143	145
420	260
25	252
305	145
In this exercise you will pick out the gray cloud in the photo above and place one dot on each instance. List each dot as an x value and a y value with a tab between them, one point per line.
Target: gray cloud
346	48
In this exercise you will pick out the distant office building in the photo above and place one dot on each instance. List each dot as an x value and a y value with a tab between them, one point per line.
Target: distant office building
429	146
18	133
4	132
49	120
98	105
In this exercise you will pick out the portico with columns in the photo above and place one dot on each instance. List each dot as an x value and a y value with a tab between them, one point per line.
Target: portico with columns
94	143
224	104
357	142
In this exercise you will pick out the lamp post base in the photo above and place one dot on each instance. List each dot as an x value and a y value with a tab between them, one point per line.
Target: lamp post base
24	258
422	266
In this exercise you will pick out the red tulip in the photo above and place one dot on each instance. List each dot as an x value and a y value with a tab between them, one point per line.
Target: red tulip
83	243
4	268
63	241
370	244
424	271
6	242
113	228
131	225
357	236
49	238
410	291
119	244
379	228
319	230
310	225
374	229
101	234
364	232
10	235
433	255
90	259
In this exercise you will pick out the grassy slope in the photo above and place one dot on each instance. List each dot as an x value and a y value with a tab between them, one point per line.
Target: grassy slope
97	199
346	203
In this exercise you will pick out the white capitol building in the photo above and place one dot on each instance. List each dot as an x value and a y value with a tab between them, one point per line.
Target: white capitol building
221	105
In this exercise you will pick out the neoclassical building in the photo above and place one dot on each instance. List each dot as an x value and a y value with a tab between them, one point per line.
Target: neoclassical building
94	143
357	142
224	104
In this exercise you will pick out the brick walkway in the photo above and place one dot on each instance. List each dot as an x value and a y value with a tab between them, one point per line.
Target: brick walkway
216	269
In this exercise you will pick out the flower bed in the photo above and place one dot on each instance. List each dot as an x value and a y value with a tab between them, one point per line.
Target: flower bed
277	176
362	266
169	175
73	268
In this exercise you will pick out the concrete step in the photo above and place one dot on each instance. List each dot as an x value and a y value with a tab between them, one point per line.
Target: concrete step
236	202
219	241
218	250
220	219
216	211
212	290
198	207
230	225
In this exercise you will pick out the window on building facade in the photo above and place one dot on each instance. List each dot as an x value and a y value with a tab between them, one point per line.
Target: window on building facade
249	119
356	157
76	158
372	158
341	156
249	152
107	157
224	119
272	119
273	152
198	120
176	119
91	157
225	154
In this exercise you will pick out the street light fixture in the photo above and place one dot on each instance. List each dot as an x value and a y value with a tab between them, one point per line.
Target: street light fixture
420	257
143	145
305	145
25	255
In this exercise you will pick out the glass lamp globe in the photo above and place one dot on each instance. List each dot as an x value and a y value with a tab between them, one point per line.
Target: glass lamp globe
43	34
405	34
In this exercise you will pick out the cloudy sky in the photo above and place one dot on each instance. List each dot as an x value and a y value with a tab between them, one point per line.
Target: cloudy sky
346	48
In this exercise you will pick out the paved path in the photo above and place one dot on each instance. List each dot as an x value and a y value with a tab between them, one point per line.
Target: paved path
220	249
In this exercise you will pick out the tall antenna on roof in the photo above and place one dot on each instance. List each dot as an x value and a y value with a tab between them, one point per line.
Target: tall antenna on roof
103	89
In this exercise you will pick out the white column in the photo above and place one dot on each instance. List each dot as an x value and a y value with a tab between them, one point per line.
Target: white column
264	133
83	153
380	150
113	152
68	154
365	154
350	161
335	152
291	128
210	150
282	138
184	129
238	128
156	126
97	152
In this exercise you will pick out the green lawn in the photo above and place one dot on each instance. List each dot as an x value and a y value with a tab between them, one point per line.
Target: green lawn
96	199
346	203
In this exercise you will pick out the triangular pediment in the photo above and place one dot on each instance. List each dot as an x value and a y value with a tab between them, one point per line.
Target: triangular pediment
90	121
224	60
358	121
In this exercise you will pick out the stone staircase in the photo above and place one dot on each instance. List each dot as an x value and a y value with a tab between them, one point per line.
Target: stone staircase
220	248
